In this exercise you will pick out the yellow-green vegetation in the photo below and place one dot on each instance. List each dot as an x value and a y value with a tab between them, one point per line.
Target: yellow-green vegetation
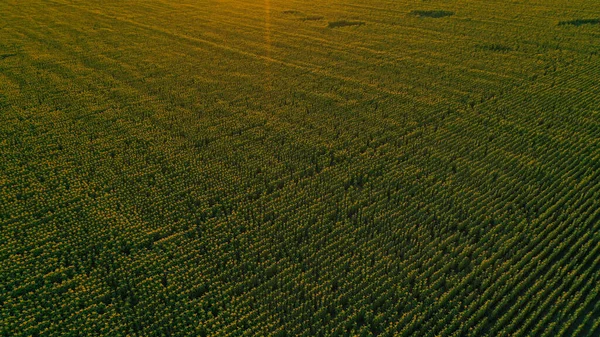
299	168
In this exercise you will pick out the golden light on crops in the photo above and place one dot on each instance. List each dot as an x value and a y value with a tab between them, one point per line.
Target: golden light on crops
268	44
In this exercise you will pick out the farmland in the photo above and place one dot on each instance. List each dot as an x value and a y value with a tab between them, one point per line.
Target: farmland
299	168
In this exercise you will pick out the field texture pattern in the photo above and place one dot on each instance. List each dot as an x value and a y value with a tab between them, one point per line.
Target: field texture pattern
299	168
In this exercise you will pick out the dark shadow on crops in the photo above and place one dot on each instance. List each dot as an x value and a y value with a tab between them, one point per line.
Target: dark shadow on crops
312	18
3	101
431	13
344	23
495	47
5	56
580	22
301	16
292	12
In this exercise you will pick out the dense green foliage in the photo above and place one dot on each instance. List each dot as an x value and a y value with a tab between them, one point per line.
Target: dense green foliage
237	167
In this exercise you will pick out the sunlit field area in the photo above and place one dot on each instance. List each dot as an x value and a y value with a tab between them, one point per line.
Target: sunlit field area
299	168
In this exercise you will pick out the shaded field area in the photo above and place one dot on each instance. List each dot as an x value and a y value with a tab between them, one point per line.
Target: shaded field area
299	168
580	22
431	13
344	23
